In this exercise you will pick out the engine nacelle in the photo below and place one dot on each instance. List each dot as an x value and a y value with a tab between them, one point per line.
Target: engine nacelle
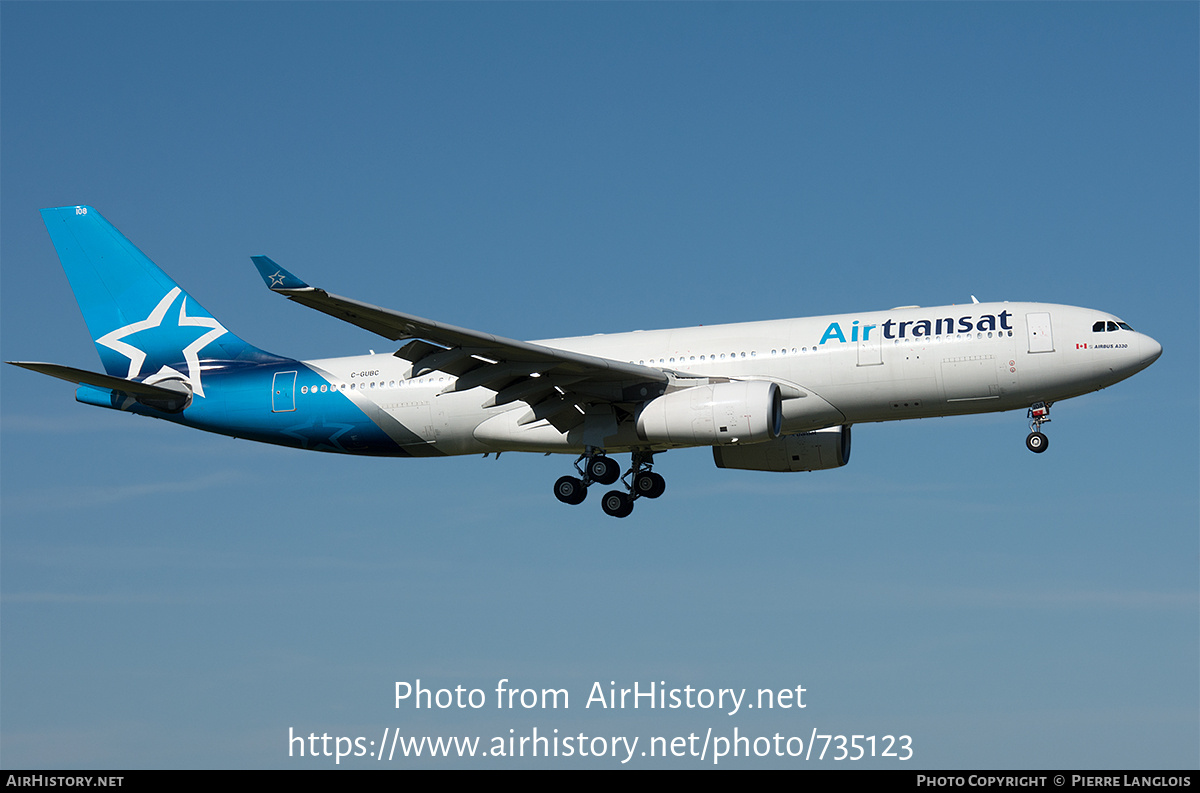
809	451
716	414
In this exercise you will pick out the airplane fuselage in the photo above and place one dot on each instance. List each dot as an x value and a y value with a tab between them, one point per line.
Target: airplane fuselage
843	369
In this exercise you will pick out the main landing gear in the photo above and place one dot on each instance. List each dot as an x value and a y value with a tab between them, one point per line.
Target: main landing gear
639	481
1038	415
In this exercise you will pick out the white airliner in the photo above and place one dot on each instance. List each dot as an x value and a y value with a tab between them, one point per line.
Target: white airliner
779	395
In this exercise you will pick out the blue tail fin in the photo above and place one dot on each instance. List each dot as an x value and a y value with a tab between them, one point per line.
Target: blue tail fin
144	325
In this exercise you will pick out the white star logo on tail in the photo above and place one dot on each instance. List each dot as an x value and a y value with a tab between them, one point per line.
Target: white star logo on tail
191	353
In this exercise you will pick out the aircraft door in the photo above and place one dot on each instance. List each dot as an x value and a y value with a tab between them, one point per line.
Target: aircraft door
1041	339
283	392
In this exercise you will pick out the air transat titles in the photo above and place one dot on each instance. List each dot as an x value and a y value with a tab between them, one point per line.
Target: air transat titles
919	328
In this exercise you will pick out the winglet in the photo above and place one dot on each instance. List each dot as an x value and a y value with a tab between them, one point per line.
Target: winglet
275	277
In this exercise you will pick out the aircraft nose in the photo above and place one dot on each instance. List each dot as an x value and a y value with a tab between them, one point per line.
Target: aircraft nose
1150	350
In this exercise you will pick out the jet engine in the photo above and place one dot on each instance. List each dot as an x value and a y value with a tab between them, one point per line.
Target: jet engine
715	414
808	451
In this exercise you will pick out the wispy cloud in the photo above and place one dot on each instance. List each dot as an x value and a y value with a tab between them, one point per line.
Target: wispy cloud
1041	599
82	497
76	598
65	424
1085	598
816	482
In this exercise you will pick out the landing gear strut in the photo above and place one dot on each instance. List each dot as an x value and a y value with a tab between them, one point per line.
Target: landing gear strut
1038	415
645	482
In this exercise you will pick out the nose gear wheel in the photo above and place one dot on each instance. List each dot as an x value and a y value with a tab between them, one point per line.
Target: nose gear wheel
1039	414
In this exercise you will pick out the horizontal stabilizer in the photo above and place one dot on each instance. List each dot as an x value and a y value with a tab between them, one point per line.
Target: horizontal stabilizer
81	376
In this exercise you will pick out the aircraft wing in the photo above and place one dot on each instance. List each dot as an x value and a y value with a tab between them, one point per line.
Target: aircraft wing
557	384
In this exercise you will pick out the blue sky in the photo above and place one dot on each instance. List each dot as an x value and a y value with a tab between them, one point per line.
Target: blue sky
171	599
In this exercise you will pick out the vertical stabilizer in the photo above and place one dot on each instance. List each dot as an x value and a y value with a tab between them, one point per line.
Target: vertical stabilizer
145	326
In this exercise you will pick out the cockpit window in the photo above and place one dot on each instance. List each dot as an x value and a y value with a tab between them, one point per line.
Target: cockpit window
1106	326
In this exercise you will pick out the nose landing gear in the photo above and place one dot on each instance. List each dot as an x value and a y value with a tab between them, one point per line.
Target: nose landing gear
1038	415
